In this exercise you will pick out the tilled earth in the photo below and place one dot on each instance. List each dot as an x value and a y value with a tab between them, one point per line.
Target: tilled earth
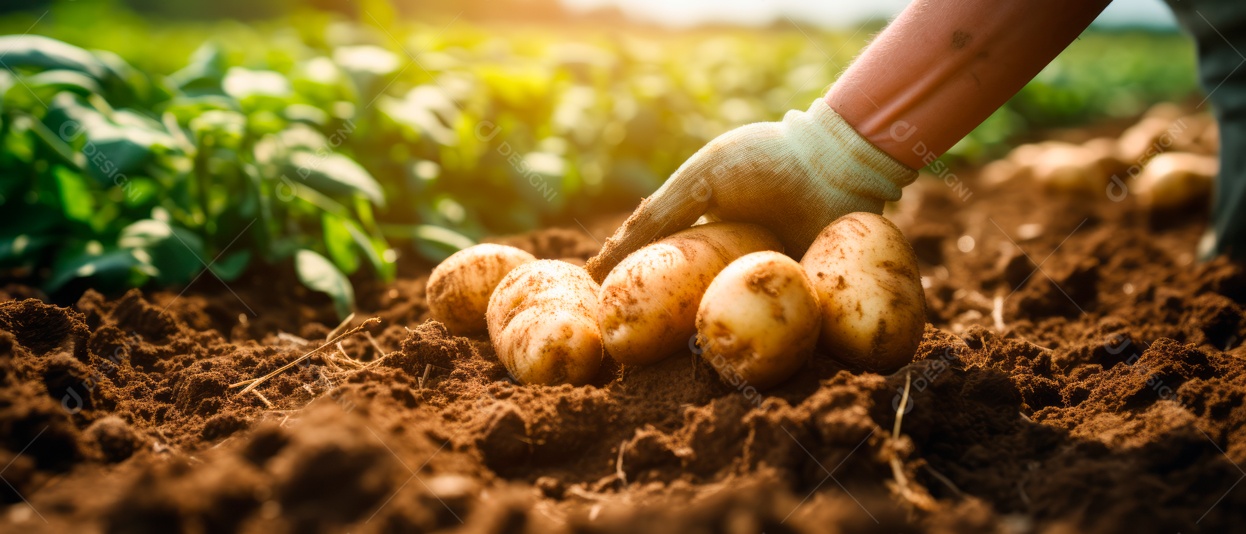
1081	372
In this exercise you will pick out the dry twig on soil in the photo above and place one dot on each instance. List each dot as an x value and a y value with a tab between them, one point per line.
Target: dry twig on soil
917	496
255	382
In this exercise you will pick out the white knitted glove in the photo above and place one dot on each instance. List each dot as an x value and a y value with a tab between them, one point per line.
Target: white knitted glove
793	177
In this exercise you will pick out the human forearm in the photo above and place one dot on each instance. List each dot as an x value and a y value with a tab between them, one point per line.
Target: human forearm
943	66
933	75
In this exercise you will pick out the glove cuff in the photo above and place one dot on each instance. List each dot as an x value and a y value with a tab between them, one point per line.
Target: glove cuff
824	141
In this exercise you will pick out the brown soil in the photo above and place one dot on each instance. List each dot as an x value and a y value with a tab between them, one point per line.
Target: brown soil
1104	395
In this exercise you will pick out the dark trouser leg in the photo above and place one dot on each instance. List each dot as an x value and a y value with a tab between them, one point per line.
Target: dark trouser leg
1219	30
1229	204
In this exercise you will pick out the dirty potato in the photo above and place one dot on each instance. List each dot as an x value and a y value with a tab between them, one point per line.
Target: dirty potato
542	322
459	288
870	292
1164	132
648	303
1175	180
759	319
1077	168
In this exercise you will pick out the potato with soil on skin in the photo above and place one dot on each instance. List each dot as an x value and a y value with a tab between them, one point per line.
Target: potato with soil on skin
1175	180
648	304
1077	168
459	288
870	292
759	319
1028	154
543	323
1001	171
1166	131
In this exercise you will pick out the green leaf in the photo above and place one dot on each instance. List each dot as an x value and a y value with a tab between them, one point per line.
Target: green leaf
77	200
320	201
230	266
45	53
277	148
37	88
186	108
225	128
319	274
139	191
119	154
366	59
374	248
334	174
340	244
7	80
367	66
112	150
241	83
127	82
17	144
303	113
113	269
176	253
433	243
205	70
427	110
58	145
16	249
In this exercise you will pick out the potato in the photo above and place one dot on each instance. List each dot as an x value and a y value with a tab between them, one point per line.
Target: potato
1155	134
543	323
758	321
1208	141
459	288
1175	180
1001	171
1076	168
1164	110
648	304
1104	149
1028	154
870	292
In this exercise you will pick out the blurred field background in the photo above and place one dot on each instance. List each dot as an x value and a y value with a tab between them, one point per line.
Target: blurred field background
334	138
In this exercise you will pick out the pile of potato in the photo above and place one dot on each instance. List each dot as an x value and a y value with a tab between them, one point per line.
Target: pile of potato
756	314
1167	161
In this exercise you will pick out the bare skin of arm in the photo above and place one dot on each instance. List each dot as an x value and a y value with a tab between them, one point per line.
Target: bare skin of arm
943	66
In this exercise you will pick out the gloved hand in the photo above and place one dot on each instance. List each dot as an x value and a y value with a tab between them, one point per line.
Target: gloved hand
793	177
